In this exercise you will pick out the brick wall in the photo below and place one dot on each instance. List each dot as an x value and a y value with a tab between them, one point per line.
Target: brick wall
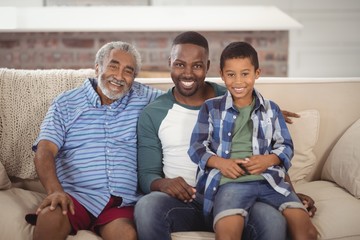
77	50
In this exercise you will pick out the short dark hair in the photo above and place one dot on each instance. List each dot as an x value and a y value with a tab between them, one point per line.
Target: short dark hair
191	37
239	50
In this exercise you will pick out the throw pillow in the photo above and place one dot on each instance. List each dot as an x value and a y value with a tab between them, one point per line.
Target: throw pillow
304	132
343	163
5	182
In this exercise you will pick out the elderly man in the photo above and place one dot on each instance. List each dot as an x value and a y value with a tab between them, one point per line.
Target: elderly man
86	151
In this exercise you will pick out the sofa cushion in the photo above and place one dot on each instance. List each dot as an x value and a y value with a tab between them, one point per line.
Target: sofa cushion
4	179
343	163
192	236
337	215
25	96
16	204
304	132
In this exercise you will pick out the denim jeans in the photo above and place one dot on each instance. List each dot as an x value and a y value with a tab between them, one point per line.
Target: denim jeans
237	198
157	215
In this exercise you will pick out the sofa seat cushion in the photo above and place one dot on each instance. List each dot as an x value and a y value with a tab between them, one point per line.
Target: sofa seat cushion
17	203
333	204
192	236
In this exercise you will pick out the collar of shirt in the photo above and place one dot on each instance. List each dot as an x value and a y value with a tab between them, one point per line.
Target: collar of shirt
229	103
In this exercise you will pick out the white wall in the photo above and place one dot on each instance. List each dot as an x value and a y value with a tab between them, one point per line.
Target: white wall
327	46
329	43
21	3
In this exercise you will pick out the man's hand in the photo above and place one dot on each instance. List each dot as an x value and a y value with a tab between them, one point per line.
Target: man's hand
308	202
177	188
288	115
57	198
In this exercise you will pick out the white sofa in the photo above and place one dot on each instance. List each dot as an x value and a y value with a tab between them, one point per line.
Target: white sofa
326	165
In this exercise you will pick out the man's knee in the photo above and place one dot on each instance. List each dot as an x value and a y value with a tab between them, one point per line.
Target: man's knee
148	207
265	222
50	223
121	228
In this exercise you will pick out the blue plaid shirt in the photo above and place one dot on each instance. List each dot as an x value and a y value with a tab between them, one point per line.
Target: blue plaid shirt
212	135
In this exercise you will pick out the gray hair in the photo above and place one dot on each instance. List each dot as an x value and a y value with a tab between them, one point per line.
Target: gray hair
105	50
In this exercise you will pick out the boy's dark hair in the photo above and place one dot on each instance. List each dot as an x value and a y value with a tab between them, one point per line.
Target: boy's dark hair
192	38
239	50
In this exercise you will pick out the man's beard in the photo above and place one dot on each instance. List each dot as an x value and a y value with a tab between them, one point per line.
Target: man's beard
111	94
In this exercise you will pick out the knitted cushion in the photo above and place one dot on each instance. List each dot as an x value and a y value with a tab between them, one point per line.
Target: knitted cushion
25	96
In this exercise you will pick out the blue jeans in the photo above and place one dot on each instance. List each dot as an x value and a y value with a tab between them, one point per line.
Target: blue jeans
235	198
157	215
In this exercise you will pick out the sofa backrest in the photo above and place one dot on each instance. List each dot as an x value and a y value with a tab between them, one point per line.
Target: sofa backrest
25	96
337	100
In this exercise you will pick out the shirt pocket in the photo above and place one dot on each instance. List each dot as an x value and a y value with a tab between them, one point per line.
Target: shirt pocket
265	132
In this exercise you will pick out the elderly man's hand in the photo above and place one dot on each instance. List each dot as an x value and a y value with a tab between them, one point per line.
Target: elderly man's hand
56	199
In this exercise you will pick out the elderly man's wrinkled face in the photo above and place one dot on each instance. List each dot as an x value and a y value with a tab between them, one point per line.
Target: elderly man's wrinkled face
115	76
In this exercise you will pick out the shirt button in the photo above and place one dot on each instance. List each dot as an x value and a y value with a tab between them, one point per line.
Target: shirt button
214	188
229	134
108	150
109	107
234	117
106	123
227	152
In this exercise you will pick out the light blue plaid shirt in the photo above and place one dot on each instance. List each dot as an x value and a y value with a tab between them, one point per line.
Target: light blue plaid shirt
212	135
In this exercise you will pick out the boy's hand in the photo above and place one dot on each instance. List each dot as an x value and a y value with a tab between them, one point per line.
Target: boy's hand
258	164
230	167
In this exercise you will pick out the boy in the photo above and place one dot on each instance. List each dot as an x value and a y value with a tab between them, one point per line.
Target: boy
243	149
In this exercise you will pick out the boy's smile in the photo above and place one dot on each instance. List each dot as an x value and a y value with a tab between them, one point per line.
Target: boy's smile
239	76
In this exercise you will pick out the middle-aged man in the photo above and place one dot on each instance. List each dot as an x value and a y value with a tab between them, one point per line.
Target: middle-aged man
165	169
86	151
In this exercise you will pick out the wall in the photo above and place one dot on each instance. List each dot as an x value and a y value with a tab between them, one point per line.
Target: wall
327	46
77	50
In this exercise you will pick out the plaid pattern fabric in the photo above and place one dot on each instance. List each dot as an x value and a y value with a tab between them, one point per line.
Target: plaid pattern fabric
212	135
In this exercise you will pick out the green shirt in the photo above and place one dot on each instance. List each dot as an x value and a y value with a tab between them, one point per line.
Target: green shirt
242	142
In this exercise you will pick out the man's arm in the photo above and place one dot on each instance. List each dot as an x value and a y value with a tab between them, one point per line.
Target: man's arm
45	167
149	153
150	166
